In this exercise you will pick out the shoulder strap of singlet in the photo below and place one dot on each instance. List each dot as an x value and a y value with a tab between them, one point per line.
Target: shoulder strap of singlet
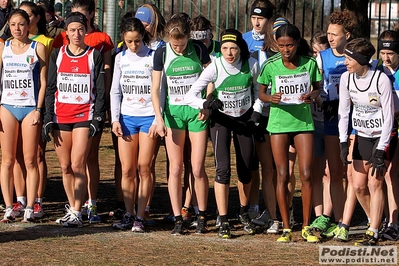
378	80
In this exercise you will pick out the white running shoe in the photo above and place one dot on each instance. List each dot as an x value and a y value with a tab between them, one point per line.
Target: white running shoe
273	227
9	216
66	216
73	221
28	215
262	219
85	208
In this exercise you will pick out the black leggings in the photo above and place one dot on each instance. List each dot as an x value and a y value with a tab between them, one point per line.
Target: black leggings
244	147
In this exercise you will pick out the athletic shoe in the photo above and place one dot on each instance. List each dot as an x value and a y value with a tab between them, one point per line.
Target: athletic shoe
2	207
178	230
93	215
368	240
85	209
384	227
19	209
201	225
274	226
148	220
186	215
248	226
330	231
308	235
262	219
252	213
285	237
117	214
169	218
38	210
224	231
321	223
194	223
390	234
125	224
292	220
67	215
9	216
218	223
28	215
73	221
138	226
341	234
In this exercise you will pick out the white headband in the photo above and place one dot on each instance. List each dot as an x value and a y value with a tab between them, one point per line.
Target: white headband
200	34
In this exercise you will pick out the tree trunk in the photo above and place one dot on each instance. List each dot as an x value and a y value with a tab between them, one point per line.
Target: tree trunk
360	8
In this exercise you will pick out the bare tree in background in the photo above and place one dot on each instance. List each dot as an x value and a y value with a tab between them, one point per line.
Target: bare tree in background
360	8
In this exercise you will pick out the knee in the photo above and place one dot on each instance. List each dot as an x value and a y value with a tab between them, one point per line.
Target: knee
144	171
78	167
359	188
246	179
7	162
199	172
305	176
65	169
30	163
222	179
175	170
282	174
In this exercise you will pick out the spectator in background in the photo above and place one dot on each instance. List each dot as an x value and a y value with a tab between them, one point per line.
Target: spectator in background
5	9
261	12
121	10
58	9
55	24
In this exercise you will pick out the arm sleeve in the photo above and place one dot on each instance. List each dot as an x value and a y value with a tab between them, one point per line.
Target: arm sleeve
388	111
116	92
344	108
202	52
158	58
51	86
258	104
99	105
207	76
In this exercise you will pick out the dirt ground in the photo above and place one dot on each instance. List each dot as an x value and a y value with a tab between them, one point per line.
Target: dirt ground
46	243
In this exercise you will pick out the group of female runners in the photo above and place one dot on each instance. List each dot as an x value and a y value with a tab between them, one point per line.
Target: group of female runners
261	90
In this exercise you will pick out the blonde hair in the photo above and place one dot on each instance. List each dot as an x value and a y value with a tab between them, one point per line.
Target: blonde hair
178	28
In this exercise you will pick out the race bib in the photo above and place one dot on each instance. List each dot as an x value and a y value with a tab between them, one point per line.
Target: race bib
367	120
333	86
293	87
73	88
17	89
178	86
236	103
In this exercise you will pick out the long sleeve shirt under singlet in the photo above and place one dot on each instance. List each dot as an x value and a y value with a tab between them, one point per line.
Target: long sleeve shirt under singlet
373	107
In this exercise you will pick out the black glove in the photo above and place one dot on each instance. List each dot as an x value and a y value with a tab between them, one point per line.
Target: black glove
96	125
48	128
377	163
213	104
254	121
344	152
330	109
255	127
